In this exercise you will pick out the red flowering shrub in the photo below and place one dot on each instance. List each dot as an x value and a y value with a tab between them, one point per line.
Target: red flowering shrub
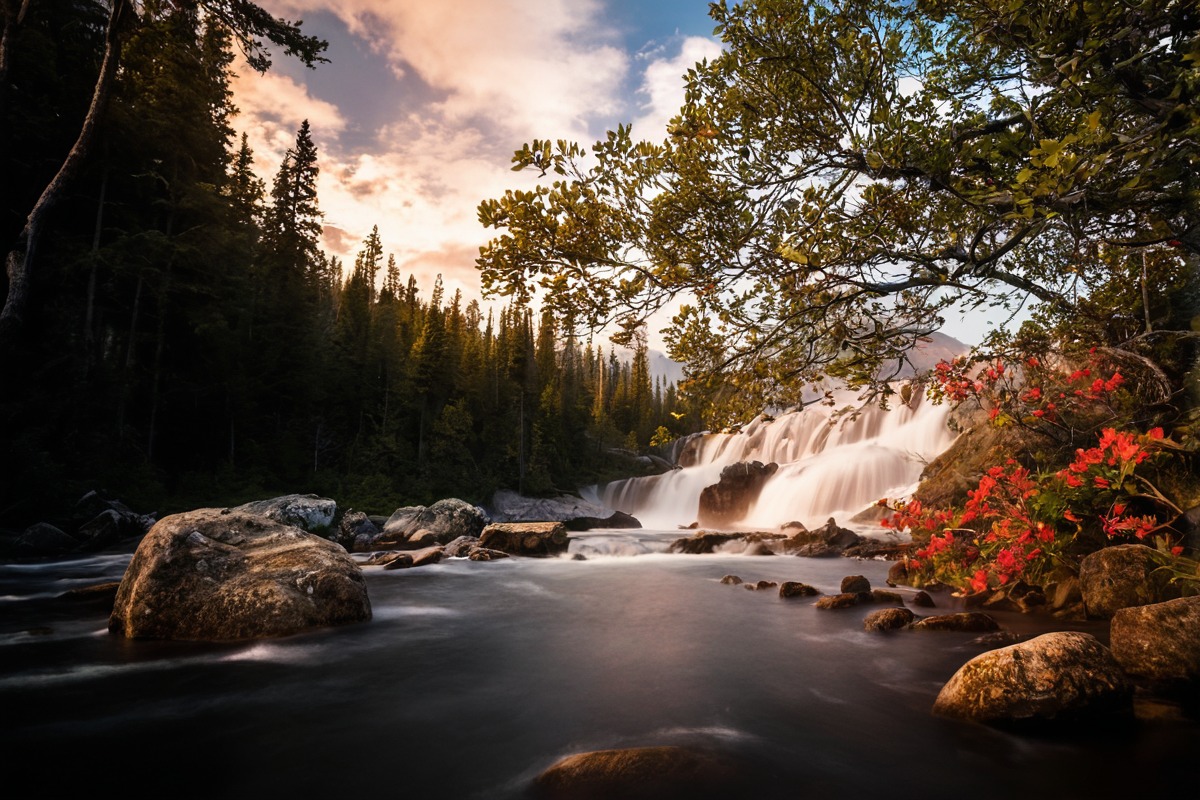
1010	537
1041	394
1018	525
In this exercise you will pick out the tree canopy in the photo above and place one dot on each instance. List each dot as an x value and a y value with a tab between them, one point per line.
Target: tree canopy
846	173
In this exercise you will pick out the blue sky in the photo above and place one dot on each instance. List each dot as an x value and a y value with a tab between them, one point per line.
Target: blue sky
423	103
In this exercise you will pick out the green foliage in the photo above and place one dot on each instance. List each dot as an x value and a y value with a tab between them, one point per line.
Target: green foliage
844	174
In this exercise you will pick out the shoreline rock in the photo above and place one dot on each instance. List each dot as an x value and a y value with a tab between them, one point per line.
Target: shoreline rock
1054	678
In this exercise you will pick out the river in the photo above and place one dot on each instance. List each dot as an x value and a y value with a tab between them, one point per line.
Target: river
474	676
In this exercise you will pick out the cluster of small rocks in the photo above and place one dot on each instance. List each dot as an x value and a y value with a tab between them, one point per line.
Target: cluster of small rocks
280	566
792	539
1059	677
96	522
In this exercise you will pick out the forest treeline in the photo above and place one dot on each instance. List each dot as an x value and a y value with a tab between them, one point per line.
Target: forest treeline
190	342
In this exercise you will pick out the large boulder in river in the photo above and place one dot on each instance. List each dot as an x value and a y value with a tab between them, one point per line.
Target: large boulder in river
1122	577
728	501
444	521
642	773
1056	677
215	574
305	511
525	538
1160	642
575	513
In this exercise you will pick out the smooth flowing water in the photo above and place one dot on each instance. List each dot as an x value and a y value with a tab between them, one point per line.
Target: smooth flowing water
473	677
832	464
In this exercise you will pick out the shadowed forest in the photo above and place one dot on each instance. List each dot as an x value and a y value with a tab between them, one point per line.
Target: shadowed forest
188	341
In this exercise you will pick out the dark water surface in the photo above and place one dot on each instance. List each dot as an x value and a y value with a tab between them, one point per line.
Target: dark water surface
473	677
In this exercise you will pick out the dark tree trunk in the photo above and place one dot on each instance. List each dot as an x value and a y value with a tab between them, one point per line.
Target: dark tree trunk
22	256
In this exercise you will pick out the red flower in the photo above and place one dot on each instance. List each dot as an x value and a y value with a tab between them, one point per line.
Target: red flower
979	581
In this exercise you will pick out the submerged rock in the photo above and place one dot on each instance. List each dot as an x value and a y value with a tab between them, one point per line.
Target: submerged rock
884	596
1056	677
641	773
964	622
844	600
223	575
760	585
731	580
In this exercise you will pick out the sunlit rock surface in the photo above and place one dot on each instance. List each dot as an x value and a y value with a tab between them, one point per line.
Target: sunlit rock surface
213	574
525	538
1055	677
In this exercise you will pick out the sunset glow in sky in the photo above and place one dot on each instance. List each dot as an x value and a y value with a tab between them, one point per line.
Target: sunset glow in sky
423	102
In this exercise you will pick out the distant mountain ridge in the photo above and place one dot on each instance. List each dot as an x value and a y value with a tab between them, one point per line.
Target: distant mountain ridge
936	347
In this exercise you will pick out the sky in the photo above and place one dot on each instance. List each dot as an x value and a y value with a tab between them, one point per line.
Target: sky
418	113
423	102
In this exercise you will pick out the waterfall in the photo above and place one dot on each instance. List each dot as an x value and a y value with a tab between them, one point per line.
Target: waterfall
829	464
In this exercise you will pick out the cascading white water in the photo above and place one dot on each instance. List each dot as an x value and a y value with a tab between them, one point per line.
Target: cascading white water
829	465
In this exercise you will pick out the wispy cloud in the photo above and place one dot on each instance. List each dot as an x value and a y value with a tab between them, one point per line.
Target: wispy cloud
662	90
493	74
